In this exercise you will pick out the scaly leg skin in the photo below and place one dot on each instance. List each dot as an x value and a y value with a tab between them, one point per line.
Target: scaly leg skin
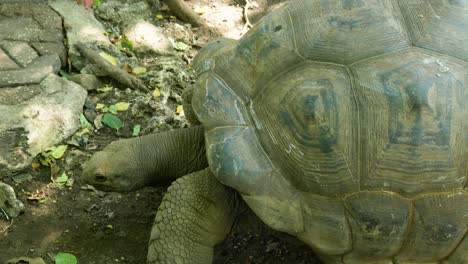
196	213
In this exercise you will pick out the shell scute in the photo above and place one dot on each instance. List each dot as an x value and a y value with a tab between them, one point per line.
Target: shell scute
415	115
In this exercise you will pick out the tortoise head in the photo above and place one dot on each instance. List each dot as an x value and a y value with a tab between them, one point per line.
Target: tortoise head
114	168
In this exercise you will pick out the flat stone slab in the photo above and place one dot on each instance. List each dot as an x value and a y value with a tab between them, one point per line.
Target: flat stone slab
36	71
38	108
31	42
35	117
81	27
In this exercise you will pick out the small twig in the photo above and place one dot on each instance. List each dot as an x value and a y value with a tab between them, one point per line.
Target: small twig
8	219
5	213
6	228
247	24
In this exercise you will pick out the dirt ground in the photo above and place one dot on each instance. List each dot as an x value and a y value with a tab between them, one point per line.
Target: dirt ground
106	227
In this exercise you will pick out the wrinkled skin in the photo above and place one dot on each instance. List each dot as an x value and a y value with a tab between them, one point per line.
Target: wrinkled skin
130	164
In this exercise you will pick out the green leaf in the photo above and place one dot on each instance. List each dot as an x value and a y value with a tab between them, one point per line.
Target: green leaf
106	88
112	121
108	58
156	92
113	109
139	70
180	110
45	159
62	179
57	151
64	74
84	122
43	200
82	132
96	3
179	45
136	130
100	106
65	258
122	106
126	43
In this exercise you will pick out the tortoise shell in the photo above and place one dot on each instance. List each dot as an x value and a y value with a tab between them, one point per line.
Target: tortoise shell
345	123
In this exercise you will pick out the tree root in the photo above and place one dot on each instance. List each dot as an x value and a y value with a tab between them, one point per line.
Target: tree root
248	4
184	12
105	68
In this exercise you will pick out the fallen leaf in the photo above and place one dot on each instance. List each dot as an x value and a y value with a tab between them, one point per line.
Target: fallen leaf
64	74
109	58
159	17
35	165
156	92
122	106
82	132
62	179
136	130
100	106
84	122
96	3
57	151
126	43
180	110
139	70
178	45
112	121
105	88
113	109
65	258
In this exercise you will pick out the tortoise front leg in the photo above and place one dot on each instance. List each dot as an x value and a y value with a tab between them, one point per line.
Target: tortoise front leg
196	213
129	164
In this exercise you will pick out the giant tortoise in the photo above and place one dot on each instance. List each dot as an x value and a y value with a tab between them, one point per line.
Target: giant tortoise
341	122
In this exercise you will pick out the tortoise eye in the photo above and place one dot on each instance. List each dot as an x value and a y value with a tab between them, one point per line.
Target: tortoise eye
100	178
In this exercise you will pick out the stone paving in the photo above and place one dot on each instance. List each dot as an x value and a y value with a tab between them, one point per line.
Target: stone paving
31	43
38	108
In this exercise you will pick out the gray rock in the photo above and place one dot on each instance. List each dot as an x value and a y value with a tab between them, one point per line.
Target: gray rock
123	12
81	26
20	52
22	177
88	81
31	43
146	37
34	21
46	115
8	201
49	48
6	63
34	73
90	115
